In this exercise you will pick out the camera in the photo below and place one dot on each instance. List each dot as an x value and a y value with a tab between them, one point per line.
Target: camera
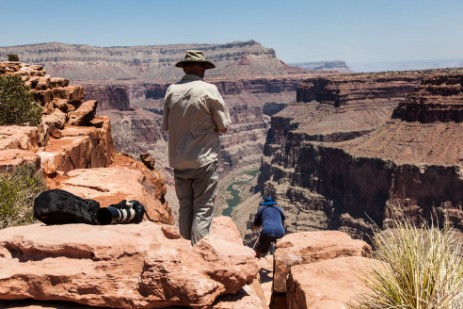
121	213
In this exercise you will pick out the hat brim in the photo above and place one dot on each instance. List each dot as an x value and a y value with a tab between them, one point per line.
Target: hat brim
209	65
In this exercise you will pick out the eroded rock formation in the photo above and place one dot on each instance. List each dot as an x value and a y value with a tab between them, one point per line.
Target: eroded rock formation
148	63
111	96
341	161
74	148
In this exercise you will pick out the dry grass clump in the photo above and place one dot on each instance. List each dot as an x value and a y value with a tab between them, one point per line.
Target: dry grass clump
423	269
18	190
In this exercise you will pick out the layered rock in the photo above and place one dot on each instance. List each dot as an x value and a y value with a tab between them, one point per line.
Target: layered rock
11	158
74	148
140	130
59	149
125	266
330	66
111	96
331	172
84	62
19	137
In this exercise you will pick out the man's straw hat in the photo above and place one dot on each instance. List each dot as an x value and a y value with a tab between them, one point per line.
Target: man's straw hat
195	56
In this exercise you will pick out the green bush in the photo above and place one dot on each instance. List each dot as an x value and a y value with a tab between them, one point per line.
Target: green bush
18	190
13	57
423	269
17	106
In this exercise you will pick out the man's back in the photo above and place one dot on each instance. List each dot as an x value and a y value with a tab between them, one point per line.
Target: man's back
271	219
194	113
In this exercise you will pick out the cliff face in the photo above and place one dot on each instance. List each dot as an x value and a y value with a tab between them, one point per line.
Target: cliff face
139	130
109	96
334	166
75	149
84	62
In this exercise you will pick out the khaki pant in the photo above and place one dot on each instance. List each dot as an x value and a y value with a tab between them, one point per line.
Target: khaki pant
196	190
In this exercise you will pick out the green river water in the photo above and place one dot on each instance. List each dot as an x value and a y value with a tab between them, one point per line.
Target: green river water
236	198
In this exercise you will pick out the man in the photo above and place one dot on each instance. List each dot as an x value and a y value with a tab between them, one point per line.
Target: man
195	115
271	218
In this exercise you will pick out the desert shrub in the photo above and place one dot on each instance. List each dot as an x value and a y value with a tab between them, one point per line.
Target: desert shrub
18	190
17	106
13	57
423	269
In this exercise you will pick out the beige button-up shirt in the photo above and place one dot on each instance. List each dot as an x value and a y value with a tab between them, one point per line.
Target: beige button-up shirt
194	111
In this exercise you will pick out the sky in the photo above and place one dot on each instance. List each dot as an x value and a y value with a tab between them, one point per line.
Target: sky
298	30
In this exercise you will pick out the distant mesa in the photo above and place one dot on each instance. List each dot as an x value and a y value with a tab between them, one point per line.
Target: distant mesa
334	66
150	63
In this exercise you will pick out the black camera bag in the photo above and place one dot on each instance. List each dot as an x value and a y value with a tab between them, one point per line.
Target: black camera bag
60	207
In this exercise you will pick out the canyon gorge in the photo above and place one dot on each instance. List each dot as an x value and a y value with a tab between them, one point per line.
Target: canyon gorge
336	150
341	152
146	265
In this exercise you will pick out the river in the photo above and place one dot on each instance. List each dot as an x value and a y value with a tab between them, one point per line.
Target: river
234	189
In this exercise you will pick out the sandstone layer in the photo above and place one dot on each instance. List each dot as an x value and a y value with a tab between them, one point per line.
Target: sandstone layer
126	266
74	148
309	247
330	284
85	62
369	165
69	136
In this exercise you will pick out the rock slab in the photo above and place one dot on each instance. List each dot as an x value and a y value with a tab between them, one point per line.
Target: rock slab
122	266
310	247
329	284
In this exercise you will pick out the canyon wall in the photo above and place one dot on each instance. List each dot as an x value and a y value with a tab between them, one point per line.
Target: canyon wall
356	150
139	130
111	96
148	63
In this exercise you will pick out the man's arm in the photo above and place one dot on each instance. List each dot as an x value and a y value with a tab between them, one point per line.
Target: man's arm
257	220
219	111
165	115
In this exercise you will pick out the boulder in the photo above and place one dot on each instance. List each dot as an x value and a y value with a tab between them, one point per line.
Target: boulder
83	115
123	266
66	153
70	93
43	83
309	247
148	160
61	104
56	120
59	82
79	147
113	184
329	284
42	96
